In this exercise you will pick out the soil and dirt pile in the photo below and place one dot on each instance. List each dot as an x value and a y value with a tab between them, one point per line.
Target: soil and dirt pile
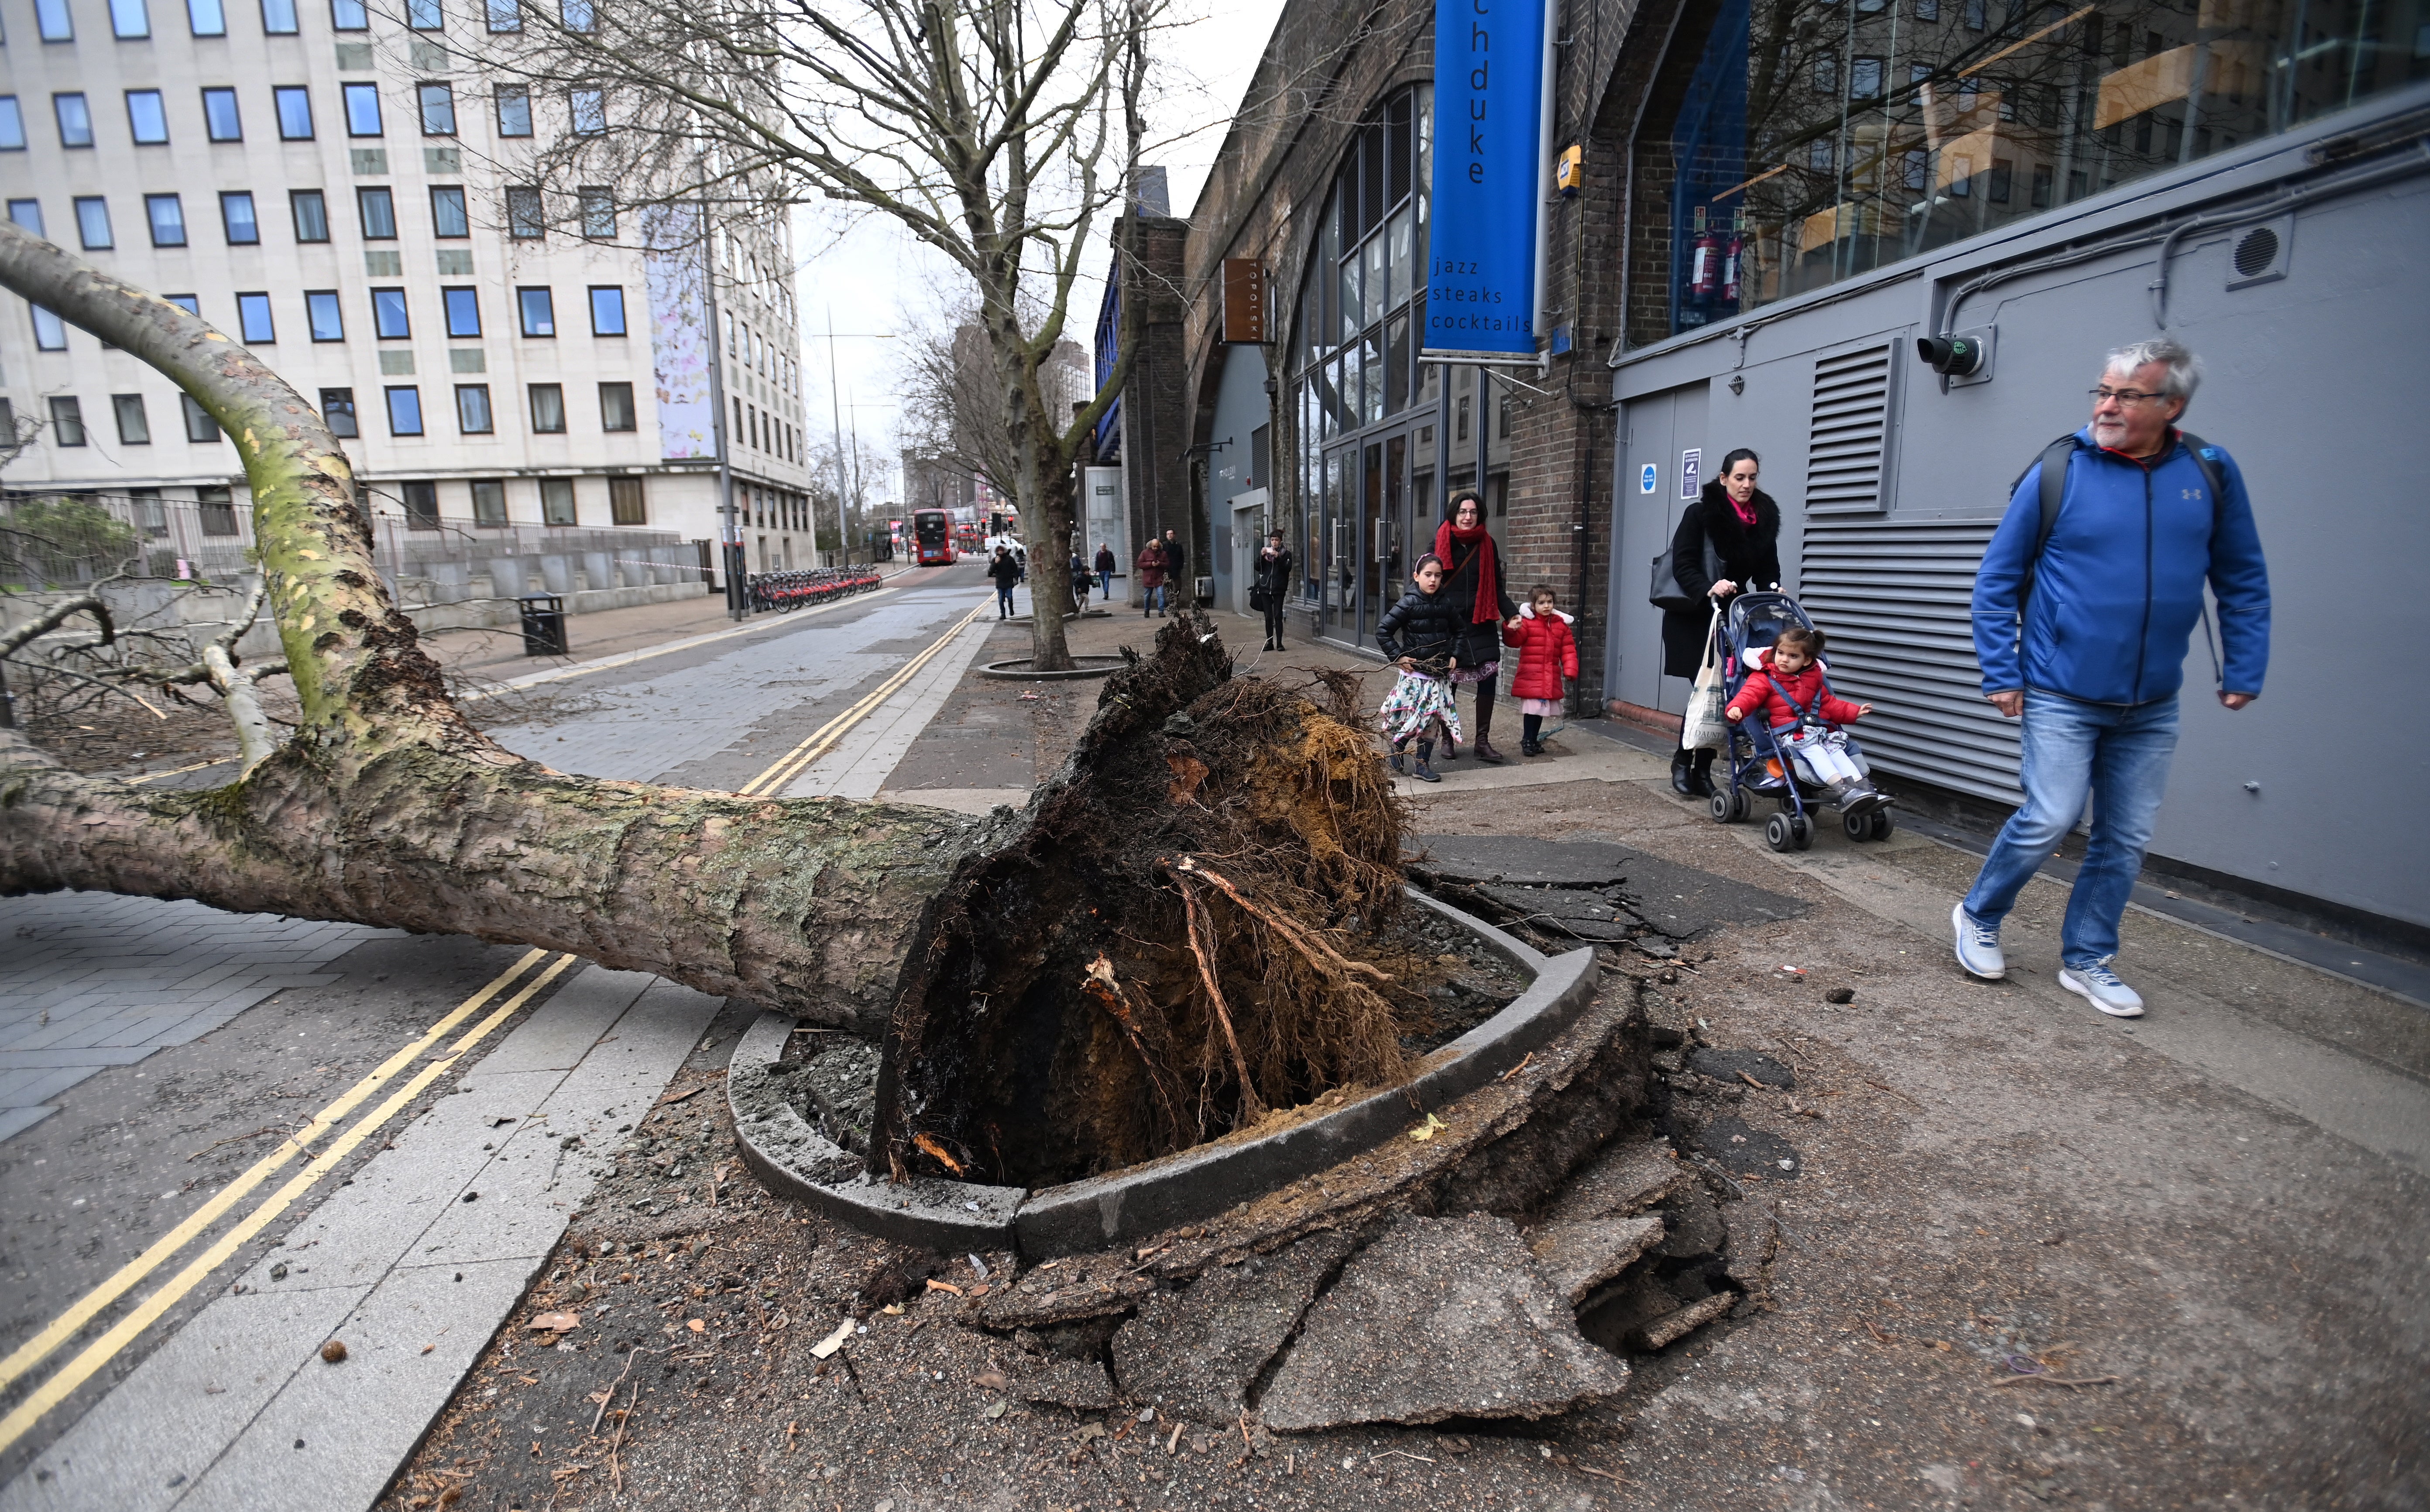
1199	926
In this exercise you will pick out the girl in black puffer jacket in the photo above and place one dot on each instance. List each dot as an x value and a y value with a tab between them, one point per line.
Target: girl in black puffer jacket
1422	633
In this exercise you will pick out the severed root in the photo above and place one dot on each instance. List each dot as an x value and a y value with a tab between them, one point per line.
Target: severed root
1102	989
1311	946
1202	945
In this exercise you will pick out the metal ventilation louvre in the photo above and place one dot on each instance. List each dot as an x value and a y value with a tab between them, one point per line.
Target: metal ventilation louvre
1894	597
1850	419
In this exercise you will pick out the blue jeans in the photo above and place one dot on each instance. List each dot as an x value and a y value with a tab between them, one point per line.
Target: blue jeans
1004	599
1154	600
2119	755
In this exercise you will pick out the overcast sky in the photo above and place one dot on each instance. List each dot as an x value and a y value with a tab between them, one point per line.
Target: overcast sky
877	279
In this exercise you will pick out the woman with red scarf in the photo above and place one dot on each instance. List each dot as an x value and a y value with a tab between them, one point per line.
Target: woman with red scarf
1472	582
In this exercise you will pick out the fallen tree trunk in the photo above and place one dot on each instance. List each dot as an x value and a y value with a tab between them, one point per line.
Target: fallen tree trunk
1151	956
387	808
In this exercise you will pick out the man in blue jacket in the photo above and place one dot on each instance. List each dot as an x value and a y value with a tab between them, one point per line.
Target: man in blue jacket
2082	622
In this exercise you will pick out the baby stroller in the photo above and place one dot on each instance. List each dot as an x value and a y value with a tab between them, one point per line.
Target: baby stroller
1759	765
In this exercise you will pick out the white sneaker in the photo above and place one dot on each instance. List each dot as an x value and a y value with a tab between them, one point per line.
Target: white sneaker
2098	983
1978	949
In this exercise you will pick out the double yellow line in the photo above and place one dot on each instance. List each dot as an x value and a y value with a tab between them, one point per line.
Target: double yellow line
101	1350
823	739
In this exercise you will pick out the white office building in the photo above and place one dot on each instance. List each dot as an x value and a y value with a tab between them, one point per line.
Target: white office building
326	181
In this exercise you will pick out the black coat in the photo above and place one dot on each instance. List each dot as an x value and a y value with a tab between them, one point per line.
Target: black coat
1005	570
1749	557
1273	574
1177	557
1428	629
1478	643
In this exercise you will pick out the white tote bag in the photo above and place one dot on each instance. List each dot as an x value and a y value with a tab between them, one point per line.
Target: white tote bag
1703	728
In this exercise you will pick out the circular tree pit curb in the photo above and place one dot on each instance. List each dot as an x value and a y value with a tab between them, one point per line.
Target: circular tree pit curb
794	1159
1018	669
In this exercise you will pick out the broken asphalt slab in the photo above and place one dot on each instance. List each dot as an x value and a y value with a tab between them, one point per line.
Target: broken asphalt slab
1579	1258
1440	1318
1679	901
1195	1353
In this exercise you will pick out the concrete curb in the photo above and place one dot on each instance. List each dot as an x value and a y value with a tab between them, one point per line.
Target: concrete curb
794	1159
1012	669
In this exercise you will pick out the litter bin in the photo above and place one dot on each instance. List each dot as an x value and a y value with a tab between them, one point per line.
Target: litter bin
543	624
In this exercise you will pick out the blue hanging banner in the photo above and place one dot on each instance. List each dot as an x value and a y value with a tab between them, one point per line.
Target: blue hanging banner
1488	178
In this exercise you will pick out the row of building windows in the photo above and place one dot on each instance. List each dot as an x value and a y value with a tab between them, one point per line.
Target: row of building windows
626	503
223	118
308	211
474	415
766	433
391	318
131	20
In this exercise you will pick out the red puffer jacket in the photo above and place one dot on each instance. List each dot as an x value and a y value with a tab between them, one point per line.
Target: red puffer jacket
1546	654
1759	692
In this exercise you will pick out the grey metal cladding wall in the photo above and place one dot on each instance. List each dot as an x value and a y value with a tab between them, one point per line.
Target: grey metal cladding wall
1893	597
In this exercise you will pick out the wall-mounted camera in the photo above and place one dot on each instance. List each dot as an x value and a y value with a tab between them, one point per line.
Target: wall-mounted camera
1959	357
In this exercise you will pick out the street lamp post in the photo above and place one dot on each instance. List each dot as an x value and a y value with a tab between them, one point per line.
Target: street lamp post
834	397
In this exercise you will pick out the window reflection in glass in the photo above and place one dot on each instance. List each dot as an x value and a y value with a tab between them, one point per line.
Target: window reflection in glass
1816	140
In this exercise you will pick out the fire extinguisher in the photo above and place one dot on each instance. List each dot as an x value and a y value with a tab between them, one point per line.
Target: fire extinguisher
1730	260
1704	259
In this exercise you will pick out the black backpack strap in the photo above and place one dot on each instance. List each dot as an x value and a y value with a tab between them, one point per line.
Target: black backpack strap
2052	462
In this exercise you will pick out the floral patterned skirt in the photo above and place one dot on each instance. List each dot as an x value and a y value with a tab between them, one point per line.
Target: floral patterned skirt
1417	703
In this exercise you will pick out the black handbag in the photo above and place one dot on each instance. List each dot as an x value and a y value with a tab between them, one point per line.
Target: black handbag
1665	592
1257	599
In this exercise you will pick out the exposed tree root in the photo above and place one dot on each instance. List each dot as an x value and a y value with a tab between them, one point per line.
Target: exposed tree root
1183	940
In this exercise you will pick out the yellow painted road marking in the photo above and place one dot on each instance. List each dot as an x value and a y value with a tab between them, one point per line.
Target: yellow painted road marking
823	739
101	1350
66	1325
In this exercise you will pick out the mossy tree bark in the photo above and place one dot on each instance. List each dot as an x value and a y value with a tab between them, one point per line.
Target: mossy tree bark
386	807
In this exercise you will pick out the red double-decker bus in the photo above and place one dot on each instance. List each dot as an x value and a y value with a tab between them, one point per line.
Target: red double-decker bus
932	538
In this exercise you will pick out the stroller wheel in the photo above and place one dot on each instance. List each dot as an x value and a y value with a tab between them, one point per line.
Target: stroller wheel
1741	805
1801	828
1859	826
1724	804
1882	823
1777	834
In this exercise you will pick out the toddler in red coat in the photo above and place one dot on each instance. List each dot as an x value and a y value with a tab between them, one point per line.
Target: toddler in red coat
1804	716
1547	653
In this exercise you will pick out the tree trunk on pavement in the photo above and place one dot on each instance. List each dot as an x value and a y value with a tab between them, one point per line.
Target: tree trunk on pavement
386	807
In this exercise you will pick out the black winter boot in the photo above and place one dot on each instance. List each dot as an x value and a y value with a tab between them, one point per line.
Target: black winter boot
1700	779
1683	773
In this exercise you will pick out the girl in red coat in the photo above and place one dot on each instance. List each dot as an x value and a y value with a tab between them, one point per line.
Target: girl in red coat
1547	653
1805	715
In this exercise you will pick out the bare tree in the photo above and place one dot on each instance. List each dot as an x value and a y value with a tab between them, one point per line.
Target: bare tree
1002	133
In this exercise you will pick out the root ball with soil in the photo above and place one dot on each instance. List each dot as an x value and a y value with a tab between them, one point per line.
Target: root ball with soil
1192	935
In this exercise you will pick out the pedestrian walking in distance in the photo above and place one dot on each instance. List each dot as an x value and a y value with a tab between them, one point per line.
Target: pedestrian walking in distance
1728	539
1271	587
2084	610
1150	568
1105	565
1176	563
1004	572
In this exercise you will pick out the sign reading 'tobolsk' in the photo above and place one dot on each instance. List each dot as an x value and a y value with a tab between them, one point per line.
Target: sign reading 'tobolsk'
1487	177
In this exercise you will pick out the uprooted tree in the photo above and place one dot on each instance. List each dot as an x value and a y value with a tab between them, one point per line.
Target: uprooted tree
1179	934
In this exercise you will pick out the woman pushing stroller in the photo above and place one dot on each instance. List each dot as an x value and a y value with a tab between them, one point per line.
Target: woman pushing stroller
1804	716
